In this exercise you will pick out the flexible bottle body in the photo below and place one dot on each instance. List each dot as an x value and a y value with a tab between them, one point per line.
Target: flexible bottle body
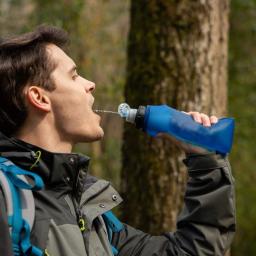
164	119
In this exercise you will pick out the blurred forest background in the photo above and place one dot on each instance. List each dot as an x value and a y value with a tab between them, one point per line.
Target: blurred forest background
98	31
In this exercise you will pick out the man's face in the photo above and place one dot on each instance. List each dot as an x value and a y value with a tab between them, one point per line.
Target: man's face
72	100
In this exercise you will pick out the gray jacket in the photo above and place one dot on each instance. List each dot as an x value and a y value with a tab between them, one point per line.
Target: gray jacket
205	227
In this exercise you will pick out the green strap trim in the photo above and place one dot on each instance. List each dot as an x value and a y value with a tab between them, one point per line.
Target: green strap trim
37	156
46	253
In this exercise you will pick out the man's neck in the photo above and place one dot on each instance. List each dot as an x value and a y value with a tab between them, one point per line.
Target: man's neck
44	137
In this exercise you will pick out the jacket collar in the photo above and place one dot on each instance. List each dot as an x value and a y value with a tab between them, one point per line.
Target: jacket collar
59	171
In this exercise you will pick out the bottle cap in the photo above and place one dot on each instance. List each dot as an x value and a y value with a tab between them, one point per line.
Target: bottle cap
126	112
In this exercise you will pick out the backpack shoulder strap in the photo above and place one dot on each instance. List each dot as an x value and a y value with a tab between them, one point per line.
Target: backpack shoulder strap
4	184
20	205
113	225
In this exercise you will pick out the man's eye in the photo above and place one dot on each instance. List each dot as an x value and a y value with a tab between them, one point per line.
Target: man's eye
75	76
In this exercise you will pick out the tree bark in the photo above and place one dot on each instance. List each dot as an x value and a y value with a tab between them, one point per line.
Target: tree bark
177	55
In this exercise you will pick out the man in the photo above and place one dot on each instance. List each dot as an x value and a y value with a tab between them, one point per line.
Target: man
45	109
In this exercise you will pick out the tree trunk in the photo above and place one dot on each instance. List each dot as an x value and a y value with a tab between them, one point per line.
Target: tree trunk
177	55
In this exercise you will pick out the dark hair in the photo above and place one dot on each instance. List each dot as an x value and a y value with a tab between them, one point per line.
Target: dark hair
24	60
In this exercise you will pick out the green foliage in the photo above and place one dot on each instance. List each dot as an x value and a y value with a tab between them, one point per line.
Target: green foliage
10	12
242	102
64	14
60	13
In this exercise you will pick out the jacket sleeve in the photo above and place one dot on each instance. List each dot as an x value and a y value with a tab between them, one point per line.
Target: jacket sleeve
5	241
206	224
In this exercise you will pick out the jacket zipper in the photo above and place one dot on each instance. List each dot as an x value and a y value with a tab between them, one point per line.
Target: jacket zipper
79	217
81	221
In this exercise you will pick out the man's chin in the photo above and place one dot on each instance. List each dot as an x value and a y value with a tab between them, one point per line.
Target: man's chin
100	136
93	137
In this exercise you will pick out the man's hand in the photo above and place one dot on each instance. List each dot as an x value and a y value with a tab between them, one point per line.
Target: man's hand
189	148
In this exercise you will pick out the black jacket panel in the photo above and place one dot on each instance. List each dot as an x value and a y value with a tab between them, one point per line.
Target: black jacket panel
206	224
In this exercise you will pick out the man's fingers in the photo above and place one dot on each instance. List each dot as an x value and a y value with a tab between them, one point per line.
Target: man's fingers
203	118
196	116
213	119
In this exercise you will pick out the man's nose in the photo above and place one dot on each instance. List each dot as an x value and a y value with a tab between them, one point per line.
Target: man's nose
90	86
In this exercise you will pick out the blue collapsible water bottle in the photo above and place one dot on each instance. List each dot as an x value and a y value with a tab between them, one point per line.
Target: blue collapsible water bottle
164	119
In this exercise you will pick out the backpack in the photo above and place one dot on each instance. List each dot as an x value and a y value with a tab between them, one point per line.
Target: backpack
20	207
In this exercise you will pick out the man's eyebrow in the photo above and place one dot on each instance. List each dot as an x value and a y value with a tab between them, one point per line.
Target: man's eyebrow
73	68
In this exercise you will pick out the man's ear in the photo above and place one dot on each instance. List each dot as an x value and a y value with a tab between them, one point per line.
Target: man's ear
38	97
